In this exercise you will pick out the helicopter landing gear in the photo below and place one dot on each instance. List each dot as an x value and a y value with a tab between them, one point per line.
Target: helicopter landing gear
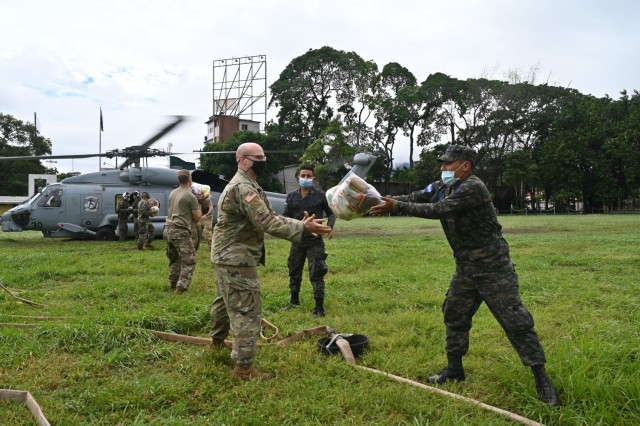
105	234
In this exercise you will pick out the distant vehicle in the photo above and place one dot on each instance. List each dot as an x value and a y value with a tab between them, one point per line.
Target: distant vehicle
84	206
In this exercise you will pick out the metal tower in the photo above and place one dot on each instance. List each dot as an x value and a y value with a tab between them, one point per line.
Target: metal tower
240	90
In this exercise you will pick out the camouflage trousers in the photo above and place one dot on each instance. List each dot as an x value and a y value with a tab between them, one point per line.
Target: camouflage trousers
492	280
182	256
316	257
196	234
122	228
146	232
238	307
207	231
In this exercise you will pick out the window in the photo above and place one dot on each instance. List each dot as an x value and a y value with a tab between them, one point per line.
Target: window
52	197
244	127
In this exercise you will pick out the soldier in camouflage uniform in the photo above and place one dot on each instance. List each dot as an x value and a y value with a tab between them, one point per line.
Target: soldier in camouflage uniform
207	230
146	231
182	212
484	271
244	215
313	201
123	216
133	202
206	206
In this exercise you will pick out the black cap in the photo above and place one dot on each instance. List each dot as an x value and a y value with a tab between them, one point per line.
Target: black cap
458	152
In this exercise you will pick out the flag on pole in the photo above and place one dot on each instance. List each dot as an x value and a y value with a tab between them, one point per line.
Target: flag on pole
101	124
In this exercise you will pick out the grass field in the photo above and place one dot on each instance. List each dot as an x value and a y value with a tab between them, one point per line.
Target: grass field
94	365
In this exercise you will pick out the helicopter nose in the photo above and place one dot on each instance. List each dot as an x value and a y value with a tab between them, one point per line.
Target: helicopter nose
8	225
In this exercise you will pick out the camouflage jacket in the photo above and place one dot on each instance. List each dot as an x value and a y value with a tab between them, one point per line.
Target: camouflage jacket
144	209
465	211
244	215
314	203
134	203
123	209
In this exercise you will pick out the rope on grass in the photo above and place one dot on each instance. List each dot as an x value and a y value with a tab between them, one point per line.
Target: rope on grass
345	349
29	302
512	416
27	399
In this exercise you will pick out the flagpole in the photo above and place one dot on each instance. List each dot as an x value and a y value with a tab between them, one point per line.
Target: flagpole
100	143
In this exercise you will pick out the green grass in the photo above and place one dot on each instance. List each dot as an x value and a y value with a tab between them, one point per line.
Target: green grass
579	277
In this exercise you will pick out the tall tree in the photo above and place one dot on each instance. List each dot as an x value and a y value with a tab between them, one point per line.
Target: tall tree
392	109
357	99
309	92
18	138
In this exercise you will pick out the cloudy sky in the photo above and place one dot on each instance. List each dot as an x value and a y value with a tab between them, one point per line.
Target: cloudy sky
143	60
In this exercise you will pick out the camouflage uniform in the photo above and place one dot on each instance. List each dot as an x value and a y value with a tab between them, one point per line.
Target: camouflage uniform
207	231
197	229
123	217
146	231
135	199
484	271
244	215
310	247
177	232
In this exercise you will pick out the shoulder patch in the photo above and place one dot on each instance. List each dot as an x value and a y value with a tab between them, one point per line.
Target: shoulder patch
249	197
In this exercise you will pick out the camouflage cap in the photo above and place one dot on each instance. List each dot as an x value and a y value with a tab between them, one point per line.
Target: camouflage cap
458	152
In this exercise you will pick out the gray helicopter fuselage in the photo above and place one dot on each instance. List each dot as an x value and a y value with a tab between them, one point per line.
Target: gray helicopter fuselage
84	206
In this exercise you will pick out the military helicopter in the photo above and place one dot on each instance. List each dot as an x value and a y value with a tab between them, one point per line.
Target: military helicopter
84	206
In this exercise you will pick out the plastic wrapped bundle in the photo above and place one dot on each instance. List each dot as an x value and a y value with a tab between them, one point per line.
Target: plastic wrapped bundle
153	202
200	191
352	198
154	211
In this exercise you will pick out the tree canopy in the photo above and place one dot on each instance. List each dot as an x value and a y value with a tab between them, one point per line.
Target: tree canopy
531	138
18	138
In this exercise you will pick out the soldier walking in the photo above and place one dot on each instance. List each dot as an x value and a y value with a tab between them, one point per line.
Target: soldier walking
123	212
182	212
146	231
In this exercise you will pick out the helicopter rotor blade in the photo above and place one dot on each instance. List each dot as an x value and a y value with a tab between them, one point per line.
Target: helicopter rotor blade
52	157
231	152
178	119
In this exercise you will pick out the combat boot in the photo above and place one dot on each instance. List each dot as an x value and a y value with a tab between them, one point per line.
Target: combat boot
249	373
219	343
294	302
452	372
318	312
546	392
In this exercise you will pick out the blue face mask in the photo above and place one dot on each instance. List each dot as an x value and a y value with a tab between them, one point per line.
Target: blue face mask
306	182
449	177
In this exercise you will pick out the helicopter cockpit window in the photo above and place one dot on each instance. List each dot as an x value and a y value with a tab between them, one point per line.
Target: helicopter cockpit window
51	198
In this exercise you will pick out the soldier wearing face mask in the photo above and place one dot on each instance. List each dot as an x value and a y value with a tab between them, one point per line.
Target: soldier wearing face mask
244	216
484	271
310	248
